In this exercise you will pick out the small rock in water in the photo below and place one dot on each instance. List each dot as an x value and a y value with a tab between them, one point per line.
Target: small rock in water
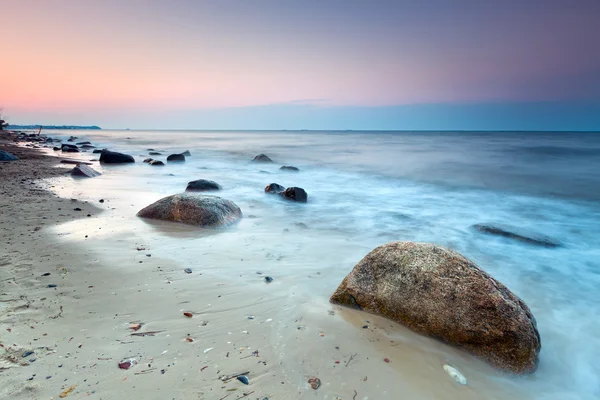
27	354
455	374
244	379
51	285
268	279
188	270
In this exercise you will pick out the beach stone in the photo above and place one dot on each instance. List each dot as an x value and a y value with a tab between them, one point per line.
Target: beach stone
186	153
194	209
512	233
295	194
154	153
147	160
437	292
202	185
97	151
289	168
82	143
176	157
84	171
6	156
156	163
112	157
274	188
56	148
88	146
262	158
69	148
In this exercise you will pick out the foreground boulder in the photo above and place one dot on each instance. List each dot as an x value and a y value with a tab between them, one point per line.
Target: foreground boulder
176	157
289	168
84	171
202	185
194	209
262	158
112	157
295	194
439	293
6	156
512	233
274	188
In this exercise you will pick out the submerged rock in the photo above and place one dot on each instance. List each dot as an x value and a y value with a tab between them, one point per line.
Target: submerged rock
176	157
274	188
112	157
82	143
88	146
295	194
202	185
156	163
69	148
148	160
289	168
6	156
439	293
262	158
511	233
201	210
84	171
155	153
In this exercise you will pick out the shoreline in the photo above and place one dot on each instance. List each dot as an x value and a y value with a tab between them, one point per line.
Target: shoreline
105	284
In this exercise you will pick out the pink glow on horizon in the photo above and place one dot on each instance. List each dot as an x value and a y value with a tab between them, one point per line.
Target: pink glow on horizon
82	55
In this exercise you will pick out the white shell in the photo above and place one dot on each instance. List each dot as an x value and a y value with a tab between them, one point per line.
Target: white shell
455	374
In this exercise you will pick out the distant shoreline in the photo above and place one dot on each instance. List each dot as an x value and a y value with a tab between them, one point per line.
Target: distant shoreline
38	126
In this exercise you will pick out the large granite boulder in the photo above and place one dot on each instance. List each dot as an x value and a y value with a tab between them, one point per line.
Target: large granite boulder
84	171
6	156
515	234
295	194
439	293
194	209
112	157
176	157
202	185
262	158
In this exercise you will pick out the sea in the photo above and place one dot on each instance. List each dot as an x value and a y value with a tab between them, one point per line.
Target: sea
370	188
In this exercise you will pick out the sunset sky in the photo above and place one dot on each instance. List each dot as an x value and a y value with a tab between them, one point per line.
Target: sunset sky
314	64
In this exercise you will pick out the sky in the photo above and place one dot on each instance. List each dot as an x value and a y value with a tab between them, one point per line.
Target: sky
310	64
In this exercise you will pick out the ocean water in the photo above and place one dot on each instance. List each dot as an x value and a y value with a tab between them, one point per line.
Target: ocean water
370	188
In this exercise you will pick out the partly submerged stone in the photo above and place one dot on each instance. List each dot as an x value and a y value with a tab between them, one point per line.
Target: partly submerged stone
439	293
274	188
84	171
176	157
195	209
515	234
6	156
156	163
289	168
112	157
262	158
202	185
295	194
186	153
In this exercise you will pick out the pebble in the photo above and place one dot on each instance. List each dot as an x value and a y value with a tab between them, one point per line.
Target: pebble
455	374
27	354
46	274
243	379
188	270
268	279
52	285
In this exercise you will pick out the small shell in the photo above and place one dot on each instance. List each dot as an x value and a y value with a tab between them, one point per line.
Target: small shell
455	374
207	350
315	383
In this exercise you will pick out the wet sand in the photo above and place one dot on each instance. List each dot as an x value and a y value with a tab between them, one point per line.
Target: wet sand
80	330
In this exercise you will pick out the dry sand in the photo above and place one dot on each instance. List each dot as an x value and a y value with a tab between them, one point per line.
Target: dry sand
80	330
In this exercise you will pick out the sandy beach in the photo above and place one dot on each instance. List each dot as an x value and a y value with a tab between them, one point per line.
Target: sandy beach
77	300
